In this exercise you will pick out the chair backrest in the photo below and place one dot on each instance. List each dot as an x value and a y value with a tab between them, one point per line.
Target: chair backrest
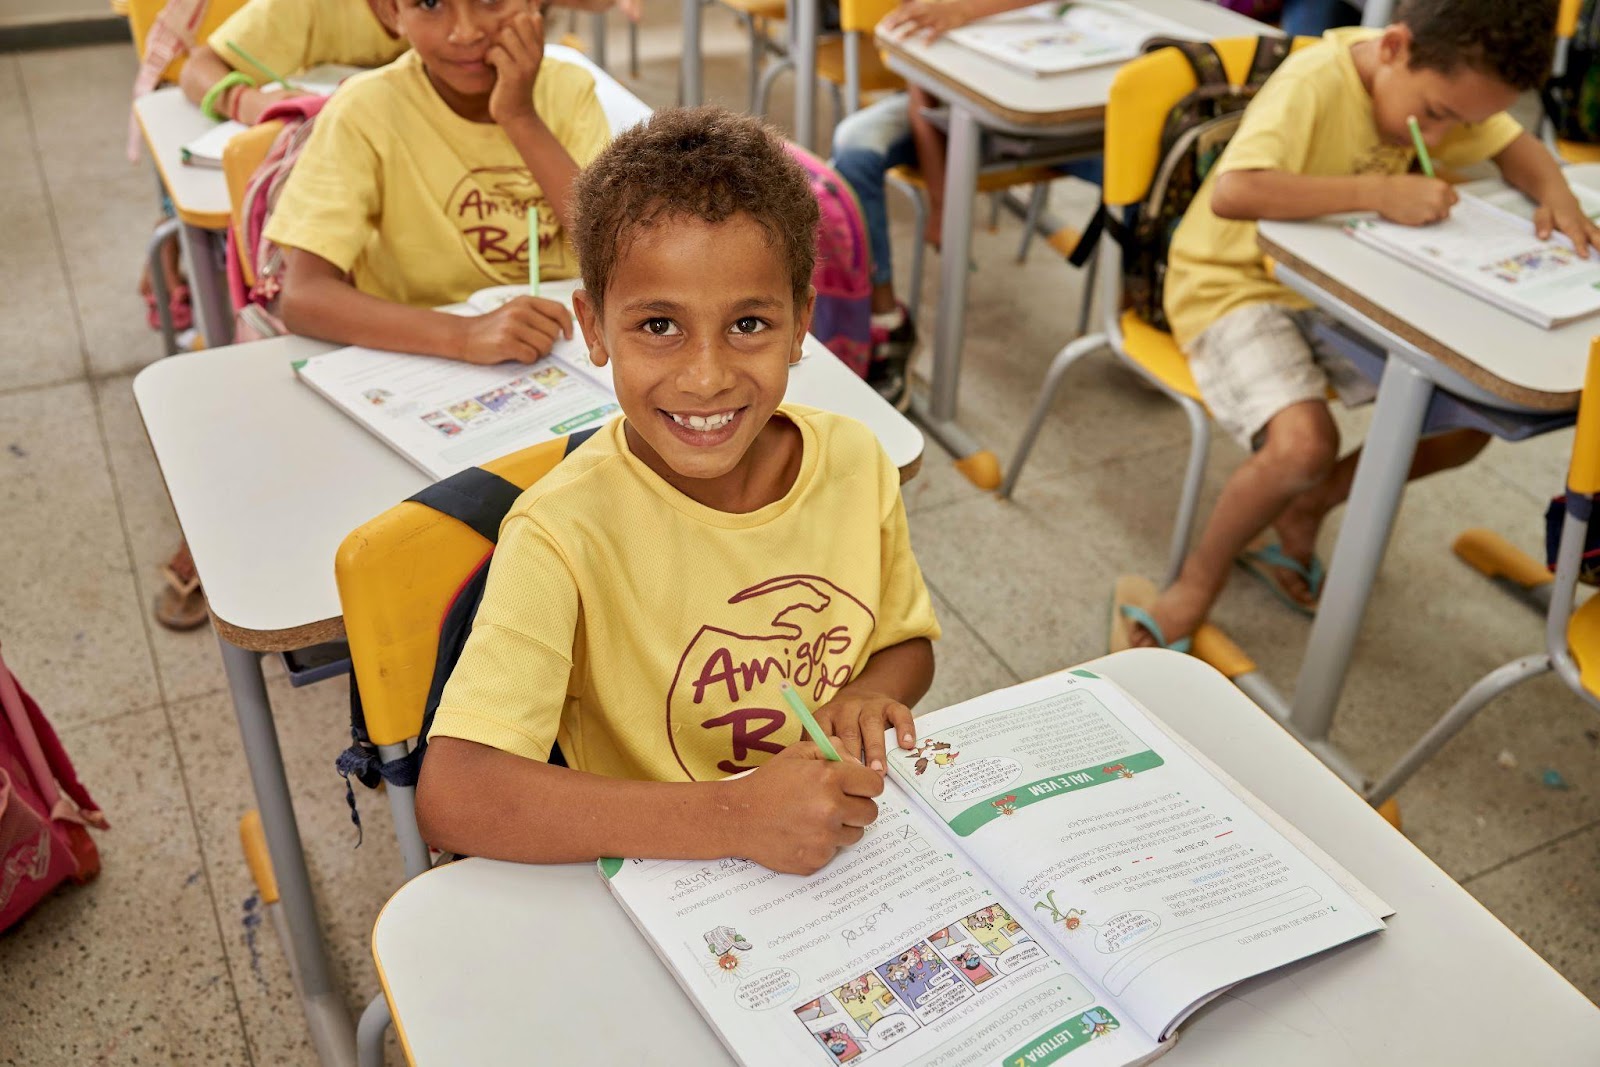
240	157
1142	94
863	16
397	574
1567	19
142	15
1583	476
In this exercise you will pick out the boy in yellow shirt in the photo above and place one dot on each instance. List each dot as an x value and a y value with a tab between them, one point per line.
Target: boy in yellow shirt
1328	133
650	594
419	181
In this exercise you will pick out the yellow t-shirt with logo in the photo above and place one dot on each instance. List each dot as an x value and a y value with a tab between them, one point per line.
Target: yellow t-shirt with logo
421	206
295	35
648	633
1312	117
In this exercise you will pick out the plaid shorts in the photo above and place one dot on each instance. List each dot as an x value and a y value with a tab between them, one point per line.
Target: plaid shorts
1257	360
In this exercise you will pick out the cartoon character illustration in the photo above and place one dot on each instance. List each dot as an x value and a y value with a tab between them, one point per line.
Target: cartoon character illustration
867	1000
931	751
900	975
722	942
839	1043
1006	805
1096	1023
970	965
1071	918
1118	769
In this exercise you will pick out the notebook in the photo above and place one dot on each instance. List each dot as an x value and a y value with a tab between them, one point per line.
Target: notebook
1052	872
206	150
1053	38
1487	247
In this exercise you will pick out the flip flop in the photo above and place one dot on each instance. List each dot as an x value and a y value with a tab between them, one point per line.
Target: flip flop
1263	554
180	604
1131	600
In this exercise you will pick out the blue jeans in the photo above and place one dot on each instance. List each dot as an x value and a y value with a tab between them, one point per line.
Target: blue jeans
868	144
1312	18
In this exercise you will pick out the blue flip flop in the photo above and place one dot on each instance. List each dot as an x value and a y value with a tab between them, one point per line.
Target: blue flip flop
1256	560
1125	610
1145	619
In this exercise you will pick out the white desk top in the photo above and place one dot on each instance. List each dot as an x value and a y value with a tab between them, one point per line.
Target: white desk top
267	477
485	962
1026	99
1512	359
169	122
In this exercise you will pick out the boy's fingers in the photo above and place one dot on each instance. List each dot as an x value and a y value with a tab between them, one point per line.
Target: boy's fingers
904	723
859	812
872	741
859	781
849	736
1541	223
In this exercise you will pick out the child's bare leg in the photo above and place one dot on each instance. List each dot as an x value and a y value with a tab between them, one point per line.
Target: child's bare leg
1301	521
1301	444
929	140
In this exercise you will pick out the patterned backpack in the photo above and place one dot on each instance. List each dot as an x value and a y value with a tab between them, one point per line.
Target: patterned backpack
44	811
1196	131
842	276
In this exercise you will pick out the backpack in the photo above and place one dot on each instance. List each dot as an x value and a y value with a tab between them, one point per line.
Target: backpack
842	277
479	499
1572	100
1555	517
1196	131
255	305
43	808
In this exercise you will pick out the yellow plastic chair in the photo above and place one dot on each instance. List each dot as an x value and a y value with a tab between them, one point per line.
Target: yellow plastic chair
397	576
850	61
1572	637
1142	94
1566	29
240	157
142	15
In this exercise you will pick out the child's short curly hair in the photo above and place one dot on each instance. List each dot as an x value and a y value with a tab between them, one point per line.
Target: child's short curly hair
701	163
1510	40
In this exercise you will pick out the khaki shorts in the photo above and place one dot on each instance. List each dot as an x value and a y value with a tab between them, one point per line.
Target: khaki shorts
1257	360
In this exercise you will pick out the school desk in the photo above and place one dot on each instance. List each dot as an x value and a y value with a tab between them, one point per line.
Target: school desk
486	962
985	94
267	478
199	196
1446	359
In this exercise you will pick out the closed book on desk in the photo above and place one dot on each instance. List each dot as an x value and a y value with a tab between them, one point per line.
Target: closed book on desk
1052	877
1054	38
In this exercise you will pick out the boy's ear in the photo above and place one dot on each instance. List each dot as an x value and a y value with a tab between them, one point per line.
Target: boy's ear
589	322
802	324
387	13
1395	44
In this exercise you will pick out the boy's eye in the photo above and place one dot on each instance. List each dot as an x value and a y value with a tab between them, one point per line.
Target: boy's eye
659	327
750	324
429	5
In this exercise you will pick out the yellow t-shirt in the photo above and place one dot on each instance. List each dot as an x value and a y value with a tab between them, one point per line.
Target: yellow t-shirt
422	206
295	35
649	633
1312	117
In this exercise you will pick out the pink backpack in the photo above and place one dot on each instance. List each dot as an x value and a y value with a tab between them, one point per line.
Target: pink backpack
842	276
43	808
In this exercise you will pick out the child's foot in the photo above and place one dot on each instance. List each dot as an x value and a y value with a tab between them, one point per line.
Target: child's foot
894	338
1178	612
1297	530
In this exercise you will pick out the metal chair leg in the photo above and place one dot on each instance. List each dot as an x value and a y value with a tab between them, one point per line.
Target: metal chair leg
1059	366
166	231
633	50
369	1032
758	52
918	249
1189	502
1091	271
1472	701
768	77
1030	223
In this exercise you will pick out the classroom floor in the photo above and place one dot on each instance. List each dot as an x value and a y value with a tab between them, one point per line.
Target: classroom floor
166	958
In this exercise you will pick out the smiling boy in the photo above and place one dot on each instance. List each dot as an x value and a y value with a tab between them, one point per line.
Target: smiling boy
649	595
419	180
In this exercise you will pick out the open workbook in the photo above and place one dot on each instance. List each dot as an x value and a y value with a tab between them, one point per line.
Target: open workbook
1487	247
206	150
1053	877
1053	38
444	415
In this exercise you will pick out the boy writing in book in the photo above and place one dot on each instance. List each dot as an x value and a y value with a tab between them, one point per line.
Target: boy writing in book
445	172
1330	132
650	594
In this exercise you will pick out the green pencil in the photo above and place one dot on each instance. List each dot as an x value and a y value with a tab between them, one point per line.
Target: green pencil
533	249
813	728
262	67
1422	149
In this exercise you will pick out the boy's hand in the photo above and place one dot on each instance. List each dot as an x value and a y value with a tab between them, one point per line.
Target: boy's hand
1415	199
522	329
1563	213
516	54
250	103
929	21
859	718
799	809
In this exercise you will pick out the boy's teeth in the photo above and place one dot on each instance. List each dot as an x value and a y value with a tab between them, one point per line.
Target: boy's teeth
703	422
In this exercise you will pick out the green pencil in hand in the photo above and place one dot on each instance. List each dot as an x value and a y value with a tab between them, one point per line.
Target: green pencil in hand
813	728
1422	148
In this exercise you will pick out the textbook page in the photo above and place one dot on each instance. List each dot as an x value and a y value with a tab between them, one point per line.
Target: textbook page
1487	250
1162	885
899	953
1053	38
445	415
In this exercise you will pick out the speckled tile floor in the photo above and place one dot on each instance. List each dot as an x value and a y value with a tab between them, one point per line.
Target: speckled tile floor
160	960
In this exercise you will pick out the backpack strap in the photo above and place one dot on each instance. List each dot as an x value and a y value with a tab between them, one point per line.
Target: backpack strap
474	497
1269	55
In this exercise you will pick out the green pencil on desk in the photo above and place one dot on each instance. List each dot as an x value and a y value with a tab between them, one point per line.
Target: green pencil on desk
1422	148
533	249
813	728
262	67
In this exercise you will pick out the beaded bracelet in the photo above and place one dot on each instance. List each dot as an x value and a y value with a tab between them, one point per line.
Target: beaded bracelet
226	82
